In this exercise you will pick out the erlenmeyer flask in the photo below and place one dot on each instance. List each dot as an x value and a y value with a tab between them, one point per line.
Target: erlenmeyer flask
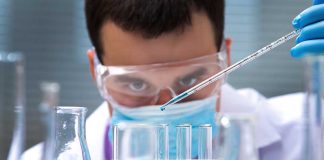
70	139
12	102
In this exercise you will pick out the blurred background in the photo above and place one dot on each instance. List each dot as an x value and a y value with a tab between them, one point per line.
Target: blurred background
53	37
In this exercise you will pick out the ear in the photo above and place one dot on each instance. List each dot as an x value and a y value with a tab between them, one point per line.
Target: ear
90	54
228	44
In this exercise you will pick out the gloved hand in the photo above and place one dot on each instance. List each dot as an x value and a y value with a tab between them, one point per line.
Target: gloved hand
311	38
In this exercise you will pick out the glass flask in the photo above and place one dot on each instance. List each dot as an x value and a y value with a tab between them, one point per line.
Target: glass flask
235	138
140	141
70	138
50	99
313	148
12	105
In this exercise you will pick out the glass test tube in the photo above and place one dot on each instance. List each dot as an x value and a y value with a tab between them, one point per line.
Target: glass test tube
183	144
163	141
205	141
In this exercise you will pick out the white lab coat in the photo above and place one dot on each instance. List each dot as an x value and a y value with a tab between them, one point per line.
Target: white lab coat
278	128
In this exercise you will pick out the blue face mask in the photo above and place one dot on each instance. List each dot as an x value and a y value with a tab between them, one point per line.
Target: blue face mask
195	113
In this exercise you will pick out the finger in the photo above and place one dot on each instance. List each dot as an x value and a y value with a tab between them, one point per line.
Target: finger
316	2
314	31
309	16
308	47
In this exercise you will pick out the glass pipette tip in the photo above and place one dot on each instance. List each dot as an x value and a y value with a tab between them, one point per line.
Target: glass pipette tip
231	68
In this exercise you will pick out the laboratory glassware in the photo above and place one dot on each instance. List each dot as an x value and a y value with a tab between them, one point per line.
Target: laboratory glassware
163	141
235	139
50	99
313	147
205	141
231	68
12	105
133	140
70	139
183	141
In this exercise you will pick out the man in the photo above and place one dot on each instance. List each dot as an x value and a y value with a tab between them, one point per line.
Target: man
148	51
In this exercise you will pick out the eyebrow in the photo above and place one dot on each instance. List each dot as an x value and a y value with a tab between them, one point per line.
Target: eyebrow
198	72
125	78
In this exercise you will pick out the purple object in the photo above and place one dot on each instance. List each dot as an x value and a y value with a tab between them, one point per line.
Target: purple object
107	147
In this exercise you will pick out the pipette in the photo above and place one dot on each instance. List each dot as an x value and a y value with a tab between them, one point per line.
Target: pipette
231	68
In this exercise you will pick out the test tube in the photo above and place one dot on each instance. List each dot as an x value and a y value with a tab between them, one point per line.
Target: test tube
163	141
183	144
205	141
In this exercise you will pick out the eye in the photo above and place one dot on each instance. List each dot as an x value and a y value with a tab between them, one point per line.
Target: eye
188	81
192	78
137	86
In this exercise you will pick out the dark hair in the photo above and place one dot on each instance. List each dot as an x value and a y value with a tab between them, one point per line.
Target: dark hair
151	18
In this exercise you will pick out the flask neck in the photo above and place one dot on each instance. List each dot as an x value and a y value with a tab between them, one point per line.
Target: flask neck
70	123
70	140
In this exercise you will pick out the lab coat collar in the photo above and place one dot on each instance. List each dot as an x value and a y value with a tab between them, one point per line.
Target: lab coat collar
251	102
96	125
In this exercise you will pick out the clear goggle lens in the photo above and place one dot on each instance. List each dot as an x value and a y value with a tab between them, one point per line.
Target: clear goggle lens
136	86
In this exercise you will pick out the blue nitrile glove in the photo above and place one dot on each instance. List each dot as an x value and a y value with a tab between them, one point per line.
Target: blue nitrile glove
311	38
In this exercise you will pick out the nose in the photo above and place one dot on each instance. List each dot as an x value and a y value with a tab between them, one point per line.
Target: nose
164	96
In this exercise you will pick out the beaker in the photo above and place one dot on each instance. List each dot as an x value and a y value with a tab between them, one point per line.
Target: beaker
236	139
313	109
70	139
12	105
140	141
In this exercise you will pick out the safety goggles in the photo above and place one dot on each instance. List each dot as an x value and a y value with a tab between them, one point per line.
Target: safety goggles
142	85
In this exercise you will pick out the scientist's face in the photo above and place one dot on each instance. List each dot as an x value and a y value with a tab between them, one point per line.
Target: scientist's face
124	48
